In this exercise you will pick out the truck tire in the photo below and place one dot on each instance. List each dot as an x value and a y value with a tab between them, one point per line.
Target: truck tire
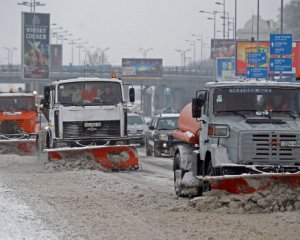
178	176
210	171
148	150
156	152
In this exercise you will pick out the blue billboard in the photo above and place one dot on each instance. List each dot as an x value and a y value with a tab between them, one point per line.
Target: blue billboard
141	68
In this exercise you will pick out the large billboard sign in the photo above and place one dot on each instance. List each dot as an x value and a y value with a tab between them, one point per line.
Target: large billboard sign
226	69
56	57
35	45
243	48
222	48
141	68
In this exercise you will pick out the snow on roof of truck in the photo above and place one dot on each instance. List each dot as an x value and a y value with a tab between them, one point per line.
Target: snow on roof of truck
85	79
248	83
16	94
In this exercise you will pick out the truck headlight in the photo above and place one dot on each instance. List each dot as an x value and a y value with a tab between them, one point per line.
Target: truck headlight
163	137
218	130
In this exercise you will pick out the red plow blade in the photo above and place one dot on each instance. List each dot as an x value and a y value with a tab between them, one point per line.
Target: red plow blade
109	157
250	183
18	146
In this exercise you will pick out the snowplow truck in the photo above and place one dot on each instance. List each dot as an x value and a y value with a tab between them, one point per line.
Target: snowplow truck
18	122
239	137
88	120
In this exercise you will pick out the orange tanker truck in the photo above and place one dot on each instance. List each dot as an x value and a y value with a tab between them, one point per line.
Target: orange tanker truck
18	122
237	137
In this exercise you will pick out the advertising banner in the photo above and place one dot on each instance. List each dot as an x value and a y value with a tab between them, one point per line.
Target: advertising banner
35	45
226	69
56	57
245	47
222	48
141	68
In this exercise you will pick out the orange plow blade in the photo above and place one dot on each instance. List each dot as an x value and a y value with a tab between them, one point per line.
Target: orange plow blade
119	157
246	184
18	146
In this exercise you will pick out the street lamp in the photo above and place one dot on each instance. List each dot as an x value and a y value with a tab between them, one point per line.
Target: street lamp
10	54
228	22
72	43
103	54
79	46
193	43
214	18
219	3
183	52
32	5
145	51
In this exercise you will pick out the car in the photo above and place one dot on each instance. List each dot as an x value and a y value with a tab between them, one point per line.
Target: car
159	138
136	127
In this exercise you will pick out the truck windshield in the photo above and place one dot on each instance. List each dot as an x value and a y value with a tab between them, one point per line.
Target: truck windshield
256	100
17	103
89	93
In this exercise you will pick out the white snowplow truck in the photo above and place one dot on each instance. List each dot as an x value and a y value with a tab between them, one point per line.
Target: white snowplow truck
88	120
239	137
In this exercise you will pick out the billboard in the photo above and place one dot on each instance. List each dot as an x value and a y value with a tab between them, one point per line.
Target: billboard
141	68
226	69
35	45
56	57
245	47
222	48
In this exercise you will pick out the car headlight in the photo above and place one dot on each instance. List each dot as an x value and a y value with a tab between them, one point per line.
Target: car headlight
163	137
218	130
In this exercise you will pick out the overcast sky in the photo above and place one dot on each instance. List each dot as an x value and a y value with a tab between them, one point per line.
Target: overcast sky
127	25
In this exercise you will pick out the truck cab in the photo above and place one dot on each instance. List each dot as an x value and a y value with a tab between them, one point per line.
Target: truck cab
250	127
242	127
86	111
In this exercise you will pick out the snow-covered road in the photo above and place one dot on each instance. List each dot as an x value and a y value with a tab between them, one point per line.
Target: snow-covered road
41	202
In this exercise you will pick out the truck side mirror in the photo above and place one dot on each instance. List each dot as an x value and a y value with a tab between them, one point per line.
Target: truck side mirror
131	95
196	108
46	100
197	103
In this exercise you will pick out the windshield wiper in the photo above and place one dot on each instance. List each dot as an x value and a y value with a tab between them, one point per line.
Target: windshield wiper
236	112
70	104
290	113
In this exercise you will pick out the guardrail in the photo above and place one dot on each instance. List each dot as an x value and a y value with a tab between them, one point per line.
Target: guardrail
116	69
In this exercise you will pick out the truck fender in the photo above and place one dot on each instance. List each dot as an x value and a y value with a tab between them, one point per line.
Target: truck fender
219	154
186	156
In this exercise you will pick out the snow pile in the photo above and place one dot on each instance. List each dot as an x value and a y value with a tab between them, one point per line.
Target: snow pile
73	164
278	198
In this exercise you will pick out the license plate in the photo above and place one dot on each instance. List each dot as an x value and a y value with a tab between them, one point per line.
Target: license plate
94	124
290	144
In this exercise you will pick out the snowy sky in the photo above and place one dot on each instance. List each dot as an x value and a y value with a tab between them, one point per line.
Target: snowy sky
127	25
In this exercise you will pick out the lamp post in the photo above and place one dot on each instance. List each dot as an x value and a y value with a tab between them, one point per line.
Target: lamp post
79	46
228	22
214	18
102	54
180	51
219	3
62	37
183	58
193	43
199	38
145	51
8	53
32	4
72	43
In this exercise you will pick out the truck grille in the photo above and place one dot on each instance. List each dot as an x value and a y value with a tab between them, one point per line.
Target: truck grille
77	129
19	123
265	148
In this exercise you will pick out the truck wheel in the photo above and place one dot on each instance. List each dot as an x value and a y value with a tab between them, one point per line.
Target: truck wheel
148	150
210	171
157	153
178	175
